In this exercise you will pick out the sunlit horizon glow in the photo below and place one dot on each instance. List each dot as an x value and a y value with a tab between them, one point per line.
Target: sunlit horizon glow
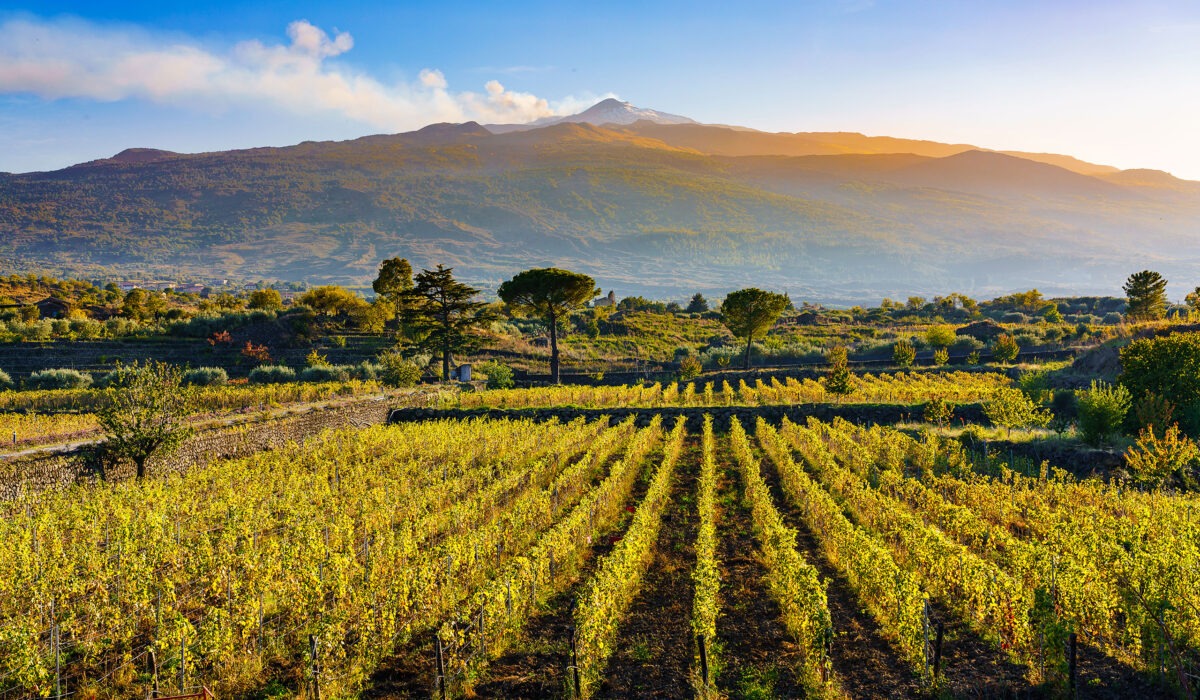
1107	82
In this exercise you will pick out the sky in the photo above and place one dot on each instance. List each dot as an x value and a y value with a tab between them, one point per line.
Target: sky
1116	83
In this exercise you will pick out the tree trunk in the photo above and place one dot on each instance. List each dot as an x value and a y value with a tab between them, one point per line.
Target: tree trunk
554	349
141	466
746	358
445	365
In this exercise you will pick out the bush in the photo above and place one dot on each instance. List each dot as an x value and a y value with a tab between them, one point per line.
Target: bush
59	379
941	356
1011	408
499	376
690	368
325	373
1155	460
1151	412
1015	317
1102	410
940	336
6	381
1112	318
119	326
272	374
364	372
903	353
966	344
396	371
86	328
1005	349
1169	367
939	412
117	377
206	376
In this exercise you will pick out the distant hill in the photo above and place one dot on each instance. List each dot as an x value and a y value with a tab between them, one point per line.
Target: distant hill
996	173
655	209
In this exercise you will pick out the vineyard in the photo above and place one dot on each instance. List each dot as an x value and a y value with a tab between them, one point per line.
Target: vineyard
897	388
606	558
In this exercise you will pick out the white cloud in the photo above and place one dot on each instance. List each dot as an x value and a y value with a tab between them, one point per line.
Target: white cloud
56	59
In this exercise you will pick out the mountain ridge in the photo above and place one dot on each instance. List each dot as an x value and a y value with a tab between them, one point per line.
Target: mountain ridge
639	206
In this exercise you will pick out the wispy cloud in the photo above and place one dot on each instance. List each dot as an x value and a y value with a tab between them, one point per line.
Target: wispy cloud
56	59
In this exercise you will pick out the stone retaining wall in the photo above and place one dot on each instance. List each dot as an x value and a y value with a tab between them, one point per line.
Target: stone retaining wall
798	413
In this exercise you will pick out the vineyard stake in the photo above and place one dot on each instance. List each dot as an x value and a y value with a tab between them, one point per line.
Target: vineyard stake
57	662
575	662
937	650
703	658
153	670
312	649
1072	667
441	665
182	665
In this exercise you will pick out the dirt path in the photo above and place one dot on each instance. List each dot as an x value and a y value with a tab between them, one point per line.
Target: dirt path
655	644
755	653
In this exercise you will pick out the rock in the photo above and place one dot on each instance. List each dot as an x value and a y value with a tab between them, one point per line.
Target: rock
984	330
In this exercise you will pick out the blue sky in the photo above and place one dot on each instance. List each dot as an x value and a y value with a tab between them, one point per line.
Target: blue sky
1111	82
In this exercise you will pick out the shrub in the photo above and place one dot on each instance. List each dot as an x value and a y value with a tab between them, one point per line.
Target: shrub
6	381
1155	460
1169	367
941	356
396	371
206	376
903	353
1015	317
364	371
59	379
1011	408
1112	318
973	358
116	378
1036	385
325	373
840	380
499	376
266	299
939	412
1102	410
1152	412
118	326
86	328
940	336
690	368
272	374
316	359
1005	348
967	344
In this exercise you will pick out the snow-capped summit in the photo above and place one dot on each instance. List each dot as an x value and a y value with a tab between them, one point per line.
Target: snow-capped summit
614	111
609	111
